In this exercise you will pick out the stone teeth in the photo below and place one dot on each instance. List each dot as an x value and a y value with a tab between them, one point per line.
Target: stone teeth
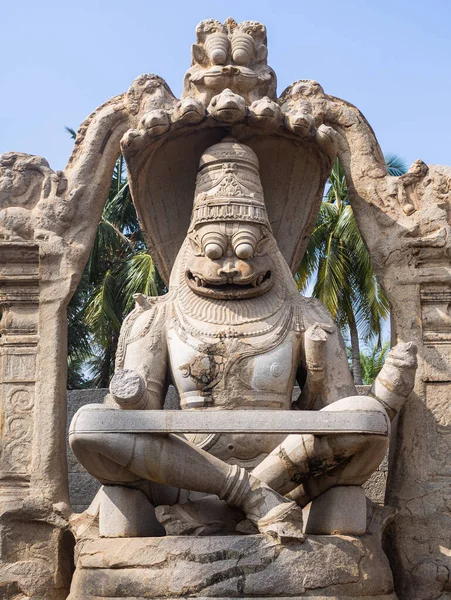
260	279
197	280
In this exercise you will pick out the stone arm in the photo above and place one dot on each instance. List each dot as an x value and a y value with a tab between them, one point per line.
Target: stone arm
396	379
140	381
324	374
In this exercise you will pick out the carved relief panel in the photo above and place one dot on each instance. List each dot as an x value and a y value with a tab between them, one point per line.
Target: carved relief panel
438	403
436	321
19	302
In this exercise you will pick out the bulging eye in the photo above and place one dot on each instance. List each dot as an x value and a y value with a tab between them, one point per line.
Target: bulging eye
244	250
213	251
244	242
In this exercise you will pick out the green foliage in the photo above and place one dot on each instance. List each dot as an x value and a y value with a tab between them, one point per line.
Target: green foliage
78	342
395	165
372	362
339	264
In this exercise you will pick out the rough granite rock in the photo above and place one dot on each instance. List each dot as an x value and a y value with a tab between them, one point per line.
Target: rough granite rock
232	567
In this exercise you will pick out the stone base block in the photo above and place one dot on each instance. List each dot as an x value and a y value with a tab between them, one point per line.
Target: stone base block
339	511
36	550
254	566
125	512
303	597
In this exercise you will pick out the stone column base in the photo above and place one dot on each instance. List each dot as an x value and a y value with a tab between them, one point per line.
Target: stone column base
36	549
254	566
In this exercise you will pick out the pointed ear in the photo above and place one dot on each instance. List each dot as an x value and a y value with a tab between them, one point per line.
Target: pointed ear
195	245
263	245
198	53
262	52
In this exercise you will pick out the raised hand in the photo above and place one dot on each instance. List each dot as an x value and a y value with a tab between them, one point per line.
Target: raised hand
396	380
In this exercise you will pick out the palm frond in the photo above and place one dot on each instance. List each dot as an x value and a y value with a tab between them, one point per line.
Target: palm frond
373	362
118	267
337	191
71	132
138	276
103	313
339	264
395	165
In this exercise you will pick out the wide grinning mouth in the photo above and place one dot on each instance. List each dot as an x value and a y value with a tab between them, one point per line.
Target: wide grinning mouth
227	109
190	110
230	70
230	289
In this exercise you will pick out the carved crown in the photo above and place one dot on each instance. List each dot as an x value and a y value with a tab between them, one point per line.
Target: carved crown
228	186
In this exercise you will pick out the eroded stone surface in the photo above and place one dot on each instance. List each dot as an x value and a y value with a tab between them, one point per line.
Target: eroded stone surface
230	567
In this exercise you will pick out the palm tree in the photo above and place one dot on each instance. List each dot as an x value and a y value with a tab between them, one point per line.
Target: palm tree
340	265
78	343
118	267
373	362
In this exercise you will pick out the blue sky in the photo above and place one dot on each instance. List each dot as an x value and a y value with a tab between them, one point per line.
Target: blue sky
390	58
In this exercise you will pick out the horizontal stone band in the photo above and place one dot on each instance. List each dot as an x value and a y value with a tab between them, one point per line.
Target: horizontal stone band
99	419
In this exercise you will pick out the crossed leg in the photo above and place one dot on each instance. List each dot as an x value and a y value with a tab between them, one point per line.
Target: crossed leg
304	466
298	470
127	459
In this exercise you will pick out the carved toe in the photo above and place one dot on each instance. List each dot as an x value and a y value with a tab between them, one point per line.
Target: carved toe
283	522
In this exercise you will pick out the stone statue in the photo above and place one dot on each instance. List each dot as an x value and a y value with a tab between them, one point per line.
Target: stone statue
230	56
27	188
245	492
233	333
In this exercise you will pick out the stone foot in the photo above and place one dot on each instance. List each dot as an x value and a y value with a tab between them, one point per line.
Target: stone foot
270	512
204	516
283	522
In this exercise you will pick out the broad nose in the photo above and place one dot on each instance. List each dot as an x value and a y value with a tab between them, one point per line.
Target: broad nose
228	269
217	46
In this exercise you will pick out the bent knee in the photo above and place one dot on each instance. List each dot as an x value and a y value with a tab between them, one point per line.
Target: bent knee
356	403
82	443
83	434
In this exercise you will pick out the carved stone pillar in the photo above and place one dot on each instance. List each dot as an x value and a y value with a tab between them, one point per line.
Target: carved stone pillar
48	221
419	483
406	224
32	533
19	305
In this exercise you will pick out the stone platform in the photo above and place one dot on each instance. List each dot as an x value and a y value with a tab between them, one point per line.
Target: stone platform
254	566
